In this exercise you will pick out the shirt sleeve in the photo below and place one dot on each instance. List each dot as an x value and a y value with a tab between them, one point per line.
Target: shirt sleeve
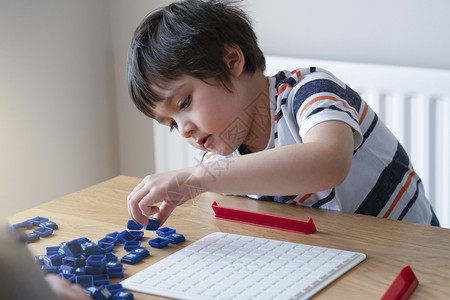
324	98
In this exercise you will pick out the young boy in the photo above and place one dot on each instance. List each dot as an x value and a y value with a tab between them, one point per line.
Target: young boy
300	137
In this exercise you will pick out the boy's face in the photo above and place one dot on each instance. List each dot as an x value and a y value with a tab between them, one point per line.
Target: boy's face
210	117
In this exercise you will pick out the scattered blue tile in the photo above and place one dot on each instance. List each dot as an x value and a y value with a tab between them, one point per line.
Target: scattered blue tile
113	234
153	224
109	239
114	269
83	240
175	238
110	256
131	259
49	224
102	293
79	261
95	264
158	242
125	236
24	224
37	220
30	237
43	231
90	248
53	260
114	266
115	273
93	270
138	234
101	279
115	288
90	291
106	247
52	250
84	280
143	253
65	269
96	260
72	248
165	231
130	245
122	295
132	225
80	271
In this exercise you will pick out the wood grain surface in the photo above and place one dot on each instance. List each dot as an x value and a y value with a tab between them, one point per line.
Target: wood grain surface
389	245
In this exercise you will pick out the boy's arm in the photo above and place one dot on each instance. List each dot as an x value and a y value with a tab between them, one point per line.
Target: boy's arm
321	162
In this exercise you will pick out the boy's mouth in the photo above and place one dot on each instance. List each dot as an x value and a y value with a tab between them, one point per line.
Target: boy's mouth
204	141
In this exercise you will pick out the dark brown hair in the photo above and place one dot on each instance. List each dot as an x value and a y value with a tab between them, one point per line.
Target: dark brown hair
188	38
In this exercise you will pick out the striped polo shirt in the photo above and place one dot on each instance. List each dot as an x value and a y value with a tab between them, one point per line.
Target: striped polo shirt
381	181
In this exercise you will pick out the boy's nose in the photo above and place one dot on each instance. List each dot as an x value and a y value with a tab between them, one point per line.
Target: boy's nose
186	129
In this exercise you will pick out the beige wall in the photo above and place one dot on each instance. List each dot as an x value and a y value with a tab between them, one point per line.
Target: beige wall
58	129
134	129
66	121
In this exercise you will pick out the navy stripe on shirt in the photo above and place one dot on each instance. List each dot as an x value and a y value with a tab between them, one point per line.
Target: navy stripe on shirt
332	107
410	202
368	132
434	219
390	178
279	78
290	80
279	115
325	200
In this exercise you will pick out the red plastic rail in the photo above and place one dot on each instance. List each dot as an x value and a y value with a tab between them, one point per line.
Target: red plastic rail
403	285
265	220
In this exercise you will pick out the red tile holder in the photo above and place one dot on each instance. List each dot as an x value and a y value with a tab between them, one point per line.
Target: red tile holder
403	285
264	220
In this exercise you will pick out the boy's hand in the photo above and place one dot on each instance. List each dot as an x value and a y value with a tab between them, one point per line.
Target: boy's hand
170	188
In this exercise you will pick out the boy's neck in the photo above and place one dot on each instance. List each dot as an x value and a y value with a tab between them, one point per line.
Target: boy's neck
259	108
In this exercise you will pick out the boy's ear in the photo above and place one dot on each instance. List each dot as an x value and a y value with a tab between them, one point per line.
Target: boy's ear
234	59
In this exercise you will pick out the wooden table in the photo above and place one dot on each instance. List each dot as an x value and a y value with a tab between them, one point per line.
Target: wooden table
389	245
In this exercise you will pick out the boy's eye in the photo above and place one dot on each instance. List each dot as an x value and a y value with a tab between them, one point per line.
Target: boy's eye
173	125
185	103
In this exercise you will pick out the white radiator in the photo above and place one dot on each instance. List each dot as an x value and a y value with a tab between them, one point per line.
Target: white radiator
413	102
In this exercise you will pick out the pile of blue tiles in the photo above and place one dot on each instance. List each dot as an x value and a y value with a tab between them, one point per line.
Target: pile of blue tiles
91	264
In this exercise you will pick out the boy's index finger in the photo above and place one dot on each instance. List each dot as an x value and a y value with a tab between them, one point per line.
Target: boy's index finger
135	211
136	188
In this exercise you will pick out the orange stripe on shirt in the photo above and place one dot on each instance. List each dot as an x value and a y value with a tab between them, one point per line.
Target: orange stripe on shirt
208	156
297	72
399	195
320	98
283	87
304	198
366	108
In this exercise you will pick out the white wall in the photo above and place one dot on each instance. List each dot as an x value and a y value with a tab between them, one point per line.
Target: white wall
58	131
392	32
66	120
